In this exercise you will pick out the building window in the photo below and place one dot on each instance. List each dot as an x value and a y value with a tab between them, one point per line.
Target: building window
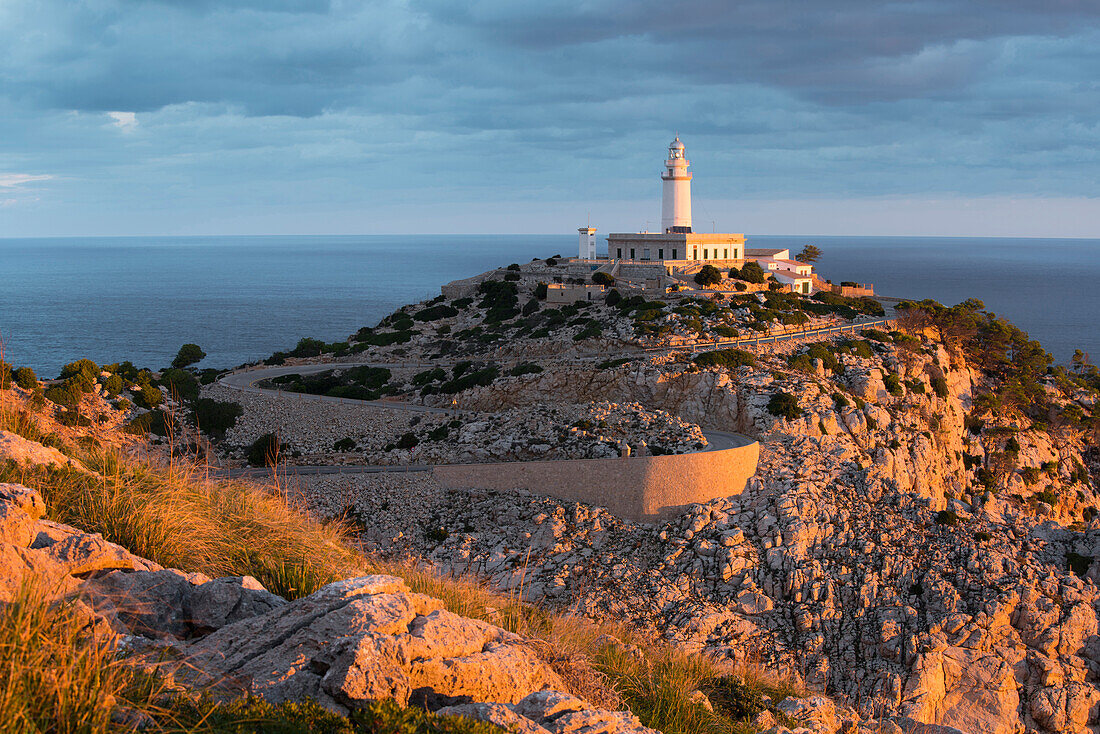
645	254
660	254
619	253
706	253
725	254
673	254
631	253
694	253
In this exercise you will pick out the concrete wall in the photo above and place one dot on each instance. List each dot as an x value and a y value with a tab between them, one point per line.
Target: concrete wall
644	488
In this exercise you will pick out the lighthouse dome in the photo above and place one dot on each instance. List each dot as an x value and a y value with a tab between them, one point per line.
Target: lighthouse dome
676	144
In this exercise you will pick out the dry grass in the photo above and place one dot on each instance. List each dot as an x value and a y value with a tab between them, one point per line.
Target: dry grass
54	675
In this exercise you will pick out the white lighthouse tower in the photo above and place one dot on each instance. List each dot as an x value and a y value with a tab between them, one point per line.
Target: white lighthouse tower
587	247
676	194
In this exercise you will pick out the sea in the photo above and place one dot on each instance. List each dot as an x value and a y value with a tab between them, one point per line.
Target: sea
242	298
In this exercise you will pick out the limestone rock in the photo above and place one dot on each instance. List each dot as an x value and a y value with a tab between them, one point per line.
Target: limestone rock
366	639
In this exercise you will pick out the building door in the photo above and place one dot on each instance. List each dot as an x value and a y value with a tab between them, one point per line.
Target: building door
660	253
619	253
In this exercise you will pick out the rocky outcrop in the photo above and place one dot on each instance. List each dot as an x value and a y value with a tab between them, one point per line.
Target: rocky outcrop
349	643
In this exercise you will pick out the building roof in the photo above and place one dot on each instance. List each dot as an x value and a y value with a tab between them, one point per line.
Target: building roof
764	251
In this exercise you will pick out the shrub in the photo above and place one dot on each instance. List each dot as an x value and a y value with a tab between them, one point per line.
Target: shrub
612	363
726	332
479	378
892	383
433	375
946	517
729	359
148	396
981	536
214	416
371	377
916	386
531	307
512	276
434	313
740	286
307	347
514	267
939	386
540	291
591	331
264	451
750	272
407	441
527	368
113	385
82	373
708	275
1030	474
840	401
1078	563
613	297
344	444
180	383
66	394
25	378
601	278
784	405
188	355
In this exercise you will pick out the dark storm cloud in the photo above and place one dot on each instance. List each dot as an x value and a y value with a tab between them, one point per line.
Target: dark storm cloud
556	98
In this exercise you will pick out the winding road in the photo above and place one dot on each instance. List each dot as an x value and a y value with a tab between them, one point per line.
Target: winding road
245	381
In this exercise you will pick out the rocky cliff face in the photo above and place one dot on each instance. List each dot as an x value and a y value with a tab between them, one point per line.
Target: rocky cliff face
887	549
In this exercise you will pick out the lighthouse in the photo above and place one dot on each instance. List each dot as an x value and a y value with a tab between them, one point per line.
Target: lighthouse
676	193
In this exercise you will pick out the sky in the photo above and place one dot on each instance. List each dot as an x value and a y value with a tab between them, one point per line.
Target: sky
921	117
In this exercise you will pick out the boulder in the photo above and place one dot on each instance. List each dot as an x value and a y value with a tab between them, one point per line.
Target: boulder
367	639
19	509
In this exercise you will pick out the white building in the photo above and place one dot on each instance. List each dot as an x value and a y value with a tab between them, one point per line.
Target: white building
587	249
676	241
676	191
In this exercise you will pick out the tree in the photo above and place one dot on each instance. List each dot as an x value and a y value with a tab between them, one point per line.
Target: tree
601	278
708	275
751	272
809	254
188	355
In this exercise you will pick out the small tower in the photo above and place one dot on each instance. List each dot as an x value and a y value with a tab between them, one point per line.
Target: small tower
587	248
676	198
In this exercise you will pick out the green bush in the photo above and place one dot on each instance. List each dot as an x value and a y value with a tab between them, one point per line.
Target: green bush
83	373
407	441
729	359
946	517
479	378
601	278
148	396
433	375
540	291
25	378
726	332
434	313
892	383
531	307
66	394
155	421
840	401
939	386
343	444
113	385
612	363
371	377
750	272
307	347
264	451
180	383
708	275
188	355
214	416
784	405
613	297
804	362
527	368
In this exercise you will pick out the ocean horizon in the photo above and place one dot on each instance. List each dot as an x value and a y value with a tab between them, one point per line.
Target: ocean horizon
244	297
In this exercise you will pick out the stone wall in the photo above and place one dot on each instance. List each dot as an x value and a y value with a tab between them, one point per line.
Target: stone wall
642	488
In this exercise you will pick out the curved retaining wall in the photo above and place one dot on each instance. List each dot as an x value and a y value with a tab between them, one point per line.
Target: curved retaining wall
645	488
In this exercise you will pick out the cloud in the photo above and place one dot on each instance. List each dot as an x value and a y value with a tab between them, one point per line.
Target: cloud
11	180
124	121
